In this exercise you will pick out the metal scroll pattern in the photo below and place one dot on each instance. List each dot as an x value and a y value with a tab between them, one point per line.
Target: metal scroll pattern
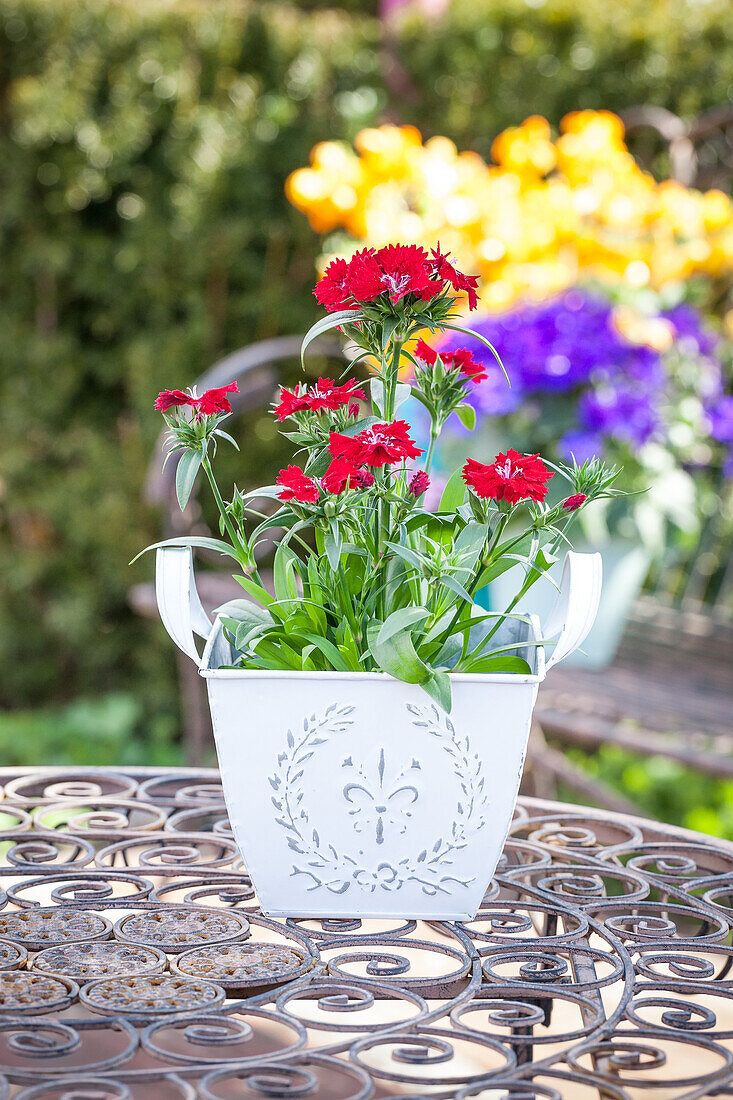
134	962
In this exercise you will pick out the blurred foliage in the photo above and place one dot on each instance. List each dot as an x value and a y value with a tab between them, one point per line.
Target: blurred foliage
662	788
144	146
109	730
491	63
145	232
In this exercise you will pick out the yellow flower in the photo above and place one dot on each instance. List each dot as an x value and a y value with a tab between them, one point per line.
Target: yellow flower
544	214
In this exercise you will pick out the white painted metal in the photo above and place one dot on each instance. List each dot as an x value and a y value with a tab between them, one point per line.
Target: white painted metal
352	794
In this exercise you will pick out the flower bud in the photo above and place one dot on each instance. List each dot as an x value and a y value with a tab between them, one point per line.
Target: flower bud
574	502
419	482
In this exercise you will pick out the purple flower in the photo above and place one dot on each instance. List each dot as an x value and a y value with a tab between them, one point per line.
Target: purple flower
720	417
571	345
689	330
580	446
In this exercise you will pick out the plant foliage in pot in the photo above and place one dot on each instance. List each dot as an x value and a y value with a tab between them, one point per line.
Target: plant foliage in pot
371	720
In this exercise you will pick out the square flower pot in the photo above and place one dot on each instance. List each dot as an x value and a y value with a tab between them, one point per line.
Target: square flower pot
353	794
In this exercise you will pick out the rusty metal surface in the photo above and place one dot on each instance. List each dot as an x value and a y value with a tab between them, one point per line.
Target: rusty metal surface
135	964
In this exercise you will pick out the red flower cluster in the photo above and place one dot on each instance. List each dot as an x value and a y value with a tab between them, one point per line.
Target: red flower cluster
375	446
395	270
343	474
445	270
211	403
461	360
511	477
326	394
296	485
574	502
340	475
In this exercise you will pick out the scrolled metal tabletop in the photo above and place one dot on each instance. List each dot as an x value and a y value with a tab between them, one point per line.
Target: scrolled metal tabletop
134	962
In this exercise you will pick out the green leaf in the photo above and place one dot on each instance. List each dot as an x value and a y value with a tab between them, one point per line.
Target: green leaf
225	435
396	656
403	619
256	591
199	541
455	586
243	611
453	494
188	466
376	389
402	392
467	416
388	329
410	556
329	651
468	548
438	687
332	545
284	565
499	663
333	320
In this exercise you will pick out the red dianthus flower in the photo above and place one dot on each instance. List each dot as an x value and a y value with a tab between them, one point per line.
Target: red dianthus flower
341	474
461	359
326	394
211	403
447	271
296	485
511	477
332	289
375	446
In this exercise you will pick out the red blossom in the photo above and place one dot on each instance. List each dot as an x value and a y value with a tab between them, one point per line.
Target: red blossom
419	483
511	477
332	290
326	394
296	485
341	474
444	269
574	502
365	276
395	270
461	359
375	446
211	403
405	271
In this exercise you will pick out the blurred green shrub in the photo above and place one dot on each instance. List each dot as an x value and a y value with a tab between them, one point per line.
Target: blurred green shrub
144	231
662	788
491	63
109	730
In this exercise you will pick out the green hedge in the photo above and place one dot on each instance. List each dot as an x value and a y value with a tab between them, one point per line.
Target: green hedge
143	150
491	63
144	233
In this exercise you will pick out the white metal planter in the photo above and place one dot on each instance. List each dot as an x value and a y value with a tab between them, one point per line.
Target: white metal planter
352	794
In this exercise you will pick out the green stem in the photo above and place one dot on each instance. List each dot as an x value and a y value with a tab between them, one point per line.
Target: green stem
242	551
532	576
434	433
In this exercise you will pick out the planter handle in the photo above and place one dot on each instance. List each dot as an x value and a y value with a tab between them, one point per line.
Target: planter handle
178	601
576	606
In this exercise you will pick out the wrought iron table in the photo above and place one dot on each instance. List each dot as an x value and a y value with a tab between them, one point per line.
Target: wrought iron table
134	962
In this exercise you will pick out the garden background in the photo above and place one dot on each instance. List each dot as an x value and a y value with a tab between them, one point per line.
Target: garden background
144	148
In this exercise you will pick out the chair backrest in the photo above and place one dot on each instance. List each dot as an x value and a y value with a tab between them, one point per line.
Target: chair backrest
700	151
255	369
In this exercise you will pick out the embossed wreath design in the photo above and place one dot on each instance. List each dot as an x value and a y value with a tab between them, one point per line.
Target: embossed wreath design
337	870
